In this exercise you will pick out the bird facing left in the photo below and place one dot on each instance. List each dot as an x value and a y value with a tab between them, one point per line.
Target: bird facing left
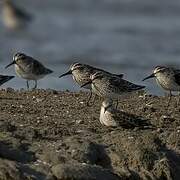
29	68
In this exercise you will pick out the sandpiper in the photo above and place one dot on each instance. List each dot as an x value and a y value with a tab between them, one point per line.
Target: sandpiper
108	86
28	68
81	74
4	78
106	117
168	78
13	16
111	117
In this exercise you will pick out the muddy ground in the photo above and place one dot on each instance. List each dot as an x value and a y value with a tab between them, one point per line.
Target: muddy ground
52	135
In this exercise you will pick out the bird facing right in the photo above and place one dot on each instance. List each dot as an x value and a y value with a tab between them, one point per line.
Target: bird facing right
29	68
167	77
14	17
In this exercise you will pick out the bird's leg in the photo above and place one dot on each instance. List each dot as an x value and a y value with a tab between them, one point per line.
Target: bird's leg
27	83
88	102
178	99
117	103
166	94
170	95
89	98
93	99
35	86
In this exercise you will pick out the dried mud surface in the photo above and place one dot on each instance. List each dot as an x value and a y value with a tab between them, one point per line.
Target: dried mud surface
47	134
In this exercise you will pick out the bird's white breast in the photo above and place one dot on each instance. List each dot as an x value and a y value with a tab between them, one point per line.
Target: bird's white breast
23	73
107	119
167	83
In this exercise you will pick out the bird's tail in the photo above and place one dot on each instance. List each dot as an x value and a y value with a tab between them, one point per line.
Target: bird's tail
49	71
137	87
4	79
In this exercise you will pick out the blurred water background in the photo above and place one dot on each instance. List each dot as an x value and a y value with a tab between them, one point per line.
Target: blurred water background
121	36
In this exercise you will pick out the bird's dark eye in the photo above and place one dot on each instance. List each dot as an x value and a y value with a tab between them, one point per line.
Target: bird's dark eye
162	70
23	57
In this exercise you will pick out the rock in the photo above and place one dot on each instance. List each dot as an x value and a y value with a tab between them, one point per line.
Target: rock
147	158
50	156
14	153
9	171
163	170
82	172
86	151
9	90
7	126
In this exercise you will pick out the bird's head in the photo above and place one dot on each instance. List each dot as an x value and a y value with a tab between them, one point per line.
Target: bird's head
17	58
157	71
73	67
106	104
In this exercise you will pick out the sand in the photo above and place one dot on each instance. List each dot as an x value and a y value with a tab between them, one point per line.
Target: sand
48	134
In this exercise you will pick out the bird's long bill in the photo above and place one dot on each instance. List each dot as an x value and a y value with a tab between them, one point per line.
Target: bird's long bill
89	82
10	64
65	74
151	76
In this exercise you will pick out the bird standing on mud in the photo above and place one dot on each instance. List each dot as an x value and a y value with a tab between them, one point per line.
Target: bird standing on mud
168	78
28	68
13	16
81	74
111	87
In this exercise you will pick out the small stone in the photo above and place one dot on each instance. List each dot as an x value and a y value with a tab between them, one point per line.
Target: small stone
9	90
39	100
159	130
79	121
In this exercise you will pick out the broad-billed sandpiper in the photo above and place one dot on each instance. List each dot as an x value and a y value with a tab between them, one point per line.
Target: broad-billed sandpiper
81	74
106	112
4	78
168	78
28	68
111	117
108	86
14	17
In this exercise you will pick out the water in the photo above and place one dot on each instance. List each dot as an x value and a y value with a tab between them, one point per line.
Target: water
121	36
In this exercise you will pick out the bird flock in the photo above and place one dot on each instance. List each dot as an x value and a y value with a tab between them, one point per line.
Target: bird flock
101	83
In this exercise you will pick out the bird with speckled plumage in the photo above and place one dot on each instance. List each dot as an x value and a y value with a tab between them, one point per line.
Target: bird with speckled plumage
112	117
167	78
81	74
111	87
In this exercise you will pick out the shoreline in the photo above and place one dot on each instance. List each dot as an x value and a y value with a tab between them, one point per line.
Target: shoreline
53	134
